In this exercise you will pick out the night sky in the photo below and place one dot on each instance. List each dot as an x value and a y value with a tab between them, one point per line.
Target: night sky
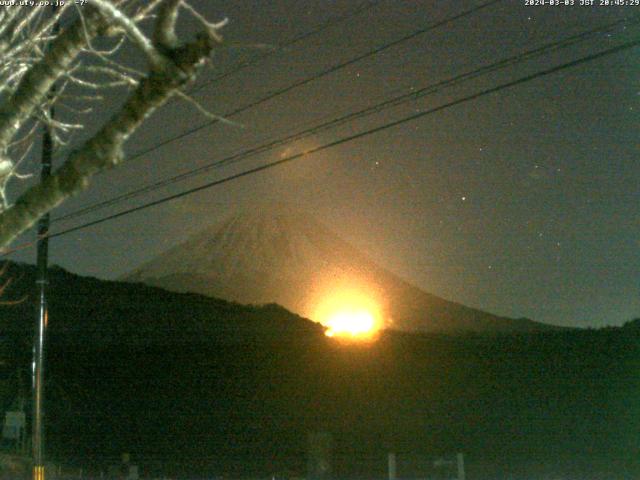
524	202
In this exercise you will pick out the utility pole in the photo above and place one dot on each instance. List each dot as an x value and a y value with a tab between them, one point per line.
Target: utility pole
42	282
391	462
460	466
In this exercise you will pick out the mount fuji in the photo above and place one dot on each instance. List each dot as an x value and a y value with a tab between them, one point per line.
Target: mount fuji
289	258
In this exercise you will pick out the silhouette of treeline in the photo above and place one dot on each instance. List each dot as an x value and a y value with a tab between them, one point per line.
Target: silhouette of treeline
191	385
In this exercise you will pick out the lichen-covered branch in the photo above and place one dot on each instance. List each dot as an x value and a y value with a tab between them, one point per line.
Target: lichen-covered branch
104	150
36	83
42	48
116	17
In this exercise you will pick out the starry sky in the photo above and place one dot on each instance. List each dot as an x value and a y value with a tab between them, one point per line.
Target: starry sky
523	202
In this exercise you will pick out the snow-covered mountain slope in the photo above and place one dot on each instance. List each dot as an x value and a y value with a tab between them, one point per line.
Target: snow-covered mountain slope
284	256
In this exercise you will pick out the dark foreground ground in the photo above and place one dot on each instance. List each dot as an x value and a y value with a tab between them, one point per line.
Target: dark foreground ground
194	387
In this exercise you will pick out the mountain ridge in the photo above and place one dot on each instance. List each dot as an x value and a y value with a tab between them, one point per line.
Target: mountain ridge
287	257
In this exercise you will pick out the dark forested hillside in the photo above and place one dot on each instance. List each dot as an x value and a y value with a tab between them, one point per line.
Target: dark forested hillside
192	385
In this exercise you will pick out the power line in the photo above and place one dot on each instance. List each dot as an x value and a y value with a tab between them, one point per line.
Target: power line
365	133
397	100
363	7
315	77
521	80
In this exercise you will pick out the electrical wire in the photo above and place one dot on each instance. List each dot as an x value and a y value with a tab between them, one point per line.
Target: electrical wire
350	138
392	102
315	77
363	7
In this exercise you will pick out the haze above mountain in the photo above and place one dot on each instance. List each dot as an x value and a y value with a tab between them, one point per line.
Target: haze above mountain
285	256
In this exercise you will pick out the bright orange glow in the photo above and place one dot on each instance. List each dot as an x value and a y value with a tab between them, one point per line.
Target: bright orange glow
351	323
349	314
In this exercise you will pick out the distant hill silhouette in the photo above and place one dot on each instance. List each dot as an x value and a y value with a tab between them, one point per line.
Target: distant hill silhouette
195	387
280	255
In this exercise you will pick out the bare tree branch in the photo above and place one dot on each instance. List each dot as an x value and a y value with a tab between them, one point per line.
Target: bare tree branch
6	285
104	150
37	81
116	17
35	56
164	35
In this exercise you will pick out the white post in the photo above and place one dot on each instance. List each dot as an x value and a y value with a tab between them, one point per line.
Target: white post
460	462
392	466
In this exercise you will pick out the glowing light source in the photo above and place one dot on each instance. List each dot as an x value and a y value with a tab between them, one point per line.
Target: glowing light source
348	313
351	323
